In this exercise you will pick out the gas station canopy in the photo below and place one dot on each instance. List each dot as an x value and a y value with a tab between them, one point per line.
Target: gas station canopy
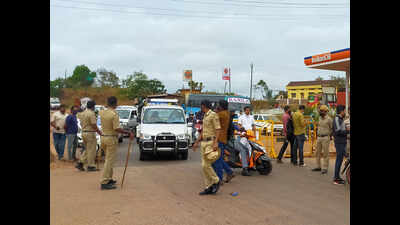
337	60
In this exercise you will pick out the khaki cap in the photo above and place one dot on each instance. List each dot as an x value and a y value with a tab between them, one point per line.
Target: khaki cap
324	108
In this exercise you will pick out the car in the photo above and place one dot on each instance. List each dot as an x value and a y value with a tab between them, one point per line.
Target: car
127	117
262	122
54	103
80	141
163	128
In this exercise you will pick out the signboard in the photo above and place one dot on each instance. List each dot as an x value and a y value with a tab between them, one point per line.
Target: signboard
328	90
239	100
227	74
187	75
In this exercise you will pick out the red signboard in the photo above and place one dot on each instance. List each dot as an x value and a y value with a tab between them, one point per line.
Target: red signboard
227	74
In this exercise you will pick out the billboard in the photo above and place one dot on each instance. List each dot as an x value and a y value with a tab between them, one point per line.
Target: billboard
227	74
187	75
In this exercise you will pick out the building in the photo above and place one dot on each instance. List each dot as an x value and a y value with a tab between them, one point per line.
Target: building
304	89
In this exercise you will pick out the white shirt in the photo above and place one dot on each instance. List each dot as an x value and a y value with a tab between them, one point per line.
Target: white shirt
59	119
246	121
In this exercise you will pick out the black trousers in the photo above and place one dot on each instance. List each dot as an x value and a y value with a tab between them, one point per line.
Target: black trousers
289	139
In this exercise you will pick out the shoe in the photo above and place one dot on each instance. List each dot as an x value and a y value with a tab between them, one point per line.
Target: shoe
316	169
79	166
338	181
245	172
279	161
229	177
302	165
215	188
92	169
107	186
112	182
206	191
294	164
324	171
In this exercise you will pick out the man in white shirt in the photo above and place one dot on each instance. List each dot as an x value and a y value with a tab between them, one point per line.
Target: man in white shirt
58	123
246	121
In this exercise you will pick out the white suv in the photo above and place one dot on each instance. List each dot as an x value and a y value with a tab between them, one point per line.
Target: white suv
163	128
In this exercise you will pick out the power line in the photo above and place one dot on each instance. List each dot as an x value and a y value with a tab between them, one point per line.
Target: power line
176	15
257	6
192	11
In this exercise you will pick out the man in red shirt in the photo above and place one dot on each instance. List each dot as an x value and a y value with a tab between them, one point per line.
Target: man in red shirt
289	137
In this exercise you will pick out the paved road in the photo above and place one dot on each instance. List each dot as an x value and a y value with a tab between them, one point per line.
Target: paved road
165	191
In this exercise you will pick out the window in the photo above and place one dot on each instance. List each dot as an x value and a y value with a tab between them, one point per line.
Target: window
293	95
255	117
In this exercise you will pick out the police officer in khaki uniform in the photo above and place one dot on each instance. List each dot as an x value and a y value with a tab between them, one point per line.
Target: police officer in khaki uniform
323	140
89	129
109	141
209	147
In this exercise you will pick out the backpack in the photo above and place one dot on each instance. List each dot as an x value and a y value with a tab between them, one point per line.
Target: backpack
290	127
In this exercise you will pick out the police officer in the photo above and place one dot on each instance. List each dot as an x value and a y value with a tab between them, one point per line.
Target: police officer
209	137
323	140
109	141
89	129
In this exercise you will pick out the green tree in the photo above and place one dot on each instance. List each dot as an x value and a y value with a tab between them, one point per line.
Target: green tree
137	85
108	78
319	78
55	87
338	82
195	85
81	77
265	91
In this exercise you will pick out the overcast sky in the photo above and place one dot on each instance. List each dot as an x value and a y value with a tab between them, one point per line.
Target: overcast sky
164	37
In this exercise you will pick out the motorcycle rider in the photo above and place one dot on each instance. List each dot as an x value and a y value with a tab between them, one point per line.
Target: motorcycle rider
246	122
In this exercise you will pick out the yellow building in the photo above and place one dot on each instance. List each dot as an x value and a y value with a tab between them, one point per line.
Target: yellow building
303	89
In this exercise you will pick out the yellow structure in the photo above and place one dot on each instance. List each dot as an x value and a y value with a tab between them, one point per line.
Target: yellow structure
303	89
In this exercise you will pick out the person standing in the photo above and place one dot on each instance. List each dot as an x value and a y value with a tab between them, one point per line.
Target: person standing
220	165
324	136
340	139
288	133
109	141
71	130
209	137
57	121
89	129
299	131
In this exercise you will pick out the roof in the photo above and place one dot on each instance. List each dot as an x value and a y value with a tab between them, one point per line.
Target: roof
337	60
163	106
309	83
163	95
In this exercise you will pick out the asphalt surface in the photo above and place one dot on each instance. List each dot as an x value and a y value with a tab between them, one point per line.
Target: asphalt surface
165	191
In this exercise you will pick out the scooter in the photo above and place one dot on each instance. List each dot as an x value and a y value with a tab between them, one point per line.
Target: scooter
257	159
346	170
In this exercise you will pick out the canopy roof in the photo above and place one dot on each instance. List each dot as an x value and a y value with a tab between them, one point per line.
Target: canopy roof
337	60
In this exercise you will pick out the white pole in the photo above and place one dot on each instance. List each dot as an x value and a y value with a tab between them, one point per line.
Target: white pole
347	91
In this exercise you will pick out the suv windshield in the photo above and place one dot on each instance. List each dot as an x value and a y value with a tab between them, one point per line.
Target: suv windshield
123	114
164	115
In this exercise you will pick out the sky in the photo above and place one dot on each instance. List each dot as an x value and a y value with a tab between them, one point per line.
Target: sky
162	38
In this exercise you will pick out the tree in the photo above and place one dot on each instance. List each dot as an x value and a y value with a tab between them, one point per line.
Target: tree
338	82
55	87
319	78
139	86
195	85
107	78
81	77
265	91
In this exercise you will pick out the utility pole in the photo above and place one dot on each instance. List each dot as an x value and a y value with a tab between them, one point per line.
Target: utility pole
65	78
230	80
251	79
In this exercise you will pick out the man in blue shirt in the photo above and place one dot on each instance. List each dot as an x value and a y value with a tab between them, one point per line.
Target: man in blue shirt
71	130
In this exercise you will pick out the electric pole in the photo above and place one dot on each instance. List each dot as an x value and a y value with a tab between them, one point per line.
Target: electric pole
230	81
251	79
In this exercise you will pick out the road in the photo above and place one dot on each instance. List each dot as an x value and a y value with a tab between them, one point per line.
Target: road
165	191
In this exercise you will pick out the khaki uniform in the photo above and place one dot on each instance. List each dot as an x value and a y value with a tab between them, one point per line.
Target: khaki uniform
210	124
88	119
324	129
109	141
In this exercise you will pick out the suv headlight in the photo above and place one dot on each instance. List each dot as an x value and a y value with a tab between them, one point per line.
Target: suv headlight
145	136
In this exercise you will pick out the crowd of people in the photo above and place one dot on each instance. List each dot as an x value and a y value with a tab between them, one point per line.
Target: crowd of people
217	129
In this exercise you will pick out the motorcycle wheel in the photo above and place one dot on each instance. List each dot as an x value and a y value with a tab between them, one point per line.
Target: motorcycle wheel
266	167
